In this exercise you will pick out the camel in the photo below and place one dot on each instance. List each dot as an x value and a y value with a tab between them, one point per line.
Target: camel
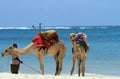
79	53
57	50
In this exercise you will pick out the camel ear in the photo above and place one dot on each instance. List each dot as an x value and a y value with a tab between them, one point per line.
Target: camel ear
11	47
72	35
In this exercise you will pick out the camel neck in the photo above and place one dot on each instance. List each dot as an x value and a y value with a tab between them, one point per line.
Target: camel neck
74	46
23	51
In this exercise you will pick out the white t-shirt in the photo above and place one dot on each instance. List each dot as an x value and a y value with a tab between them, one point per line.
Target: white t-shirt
14	60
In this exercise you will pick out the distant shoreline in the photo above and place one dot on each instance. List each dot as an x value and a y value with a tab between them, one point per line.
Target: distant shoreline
58	27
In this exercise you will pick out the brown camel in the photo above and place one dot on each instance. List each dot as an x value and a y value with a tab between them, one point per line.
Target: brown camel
79	53
57	50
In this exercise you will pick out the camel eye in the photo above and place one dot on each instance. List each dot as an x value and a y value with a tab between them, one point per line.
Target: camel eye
6	50
73	35
10	47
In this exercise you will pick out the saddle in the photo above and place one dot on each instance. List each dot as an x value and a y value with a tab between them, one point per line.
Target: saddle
50	36
46	39
81	39
82	42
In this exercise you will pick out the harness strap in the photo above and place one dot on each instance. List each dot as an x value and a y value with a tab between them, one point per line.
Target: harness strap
44	48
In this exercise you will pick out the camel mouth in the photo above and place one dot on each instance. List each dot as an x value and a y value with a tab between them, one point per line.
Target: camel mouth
2	55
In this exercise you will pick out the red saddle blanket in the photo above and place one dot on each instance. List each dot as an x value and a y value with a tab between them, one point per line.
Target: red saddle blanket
39	41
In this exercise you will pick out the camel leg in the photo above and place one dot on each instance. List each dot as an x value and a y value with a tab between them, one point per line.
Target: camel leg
61	55
57	64
83	67
41	63
72	70
60	65
79	62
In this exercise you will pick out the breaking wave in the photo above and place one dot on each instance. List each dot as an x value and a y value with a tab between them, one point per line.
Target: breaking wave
44	27
61	27
15	28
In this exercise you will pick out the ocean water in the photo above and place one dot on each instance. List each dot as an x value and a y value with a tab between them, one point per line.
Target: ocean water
102	58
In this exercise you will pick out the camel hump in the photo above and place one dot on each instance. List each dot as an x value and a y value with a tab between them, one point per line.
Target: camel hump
49	34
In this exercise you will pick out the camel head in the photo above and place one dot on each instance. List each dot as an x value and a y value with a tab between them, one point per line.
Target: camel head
76	36
73	39
7	51
72	36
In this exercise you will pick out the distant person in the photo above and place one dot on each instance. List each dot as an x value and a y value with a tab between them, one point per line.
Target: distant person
15	62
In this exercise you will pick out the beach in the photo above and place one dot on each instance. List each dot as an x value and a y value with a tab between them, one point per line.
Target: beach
65	76
103	57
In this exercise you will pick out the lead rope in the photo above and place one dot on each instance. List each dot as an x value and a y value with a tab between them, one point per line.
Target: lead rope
31	67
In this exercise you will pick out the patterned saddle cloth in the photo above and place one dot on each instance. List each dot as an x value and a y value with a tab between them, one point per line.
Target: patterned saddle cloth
82	42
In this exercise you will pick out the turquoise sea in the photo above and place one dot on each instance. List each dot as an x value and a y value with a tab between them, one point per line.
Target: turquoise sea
102	58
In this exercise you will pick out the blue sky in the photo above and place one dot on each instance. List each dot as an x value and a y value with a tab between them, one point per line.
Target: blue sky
59	12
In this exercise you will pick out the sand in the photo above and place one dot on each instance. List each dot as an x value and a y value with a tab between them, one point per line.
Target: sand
66	76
